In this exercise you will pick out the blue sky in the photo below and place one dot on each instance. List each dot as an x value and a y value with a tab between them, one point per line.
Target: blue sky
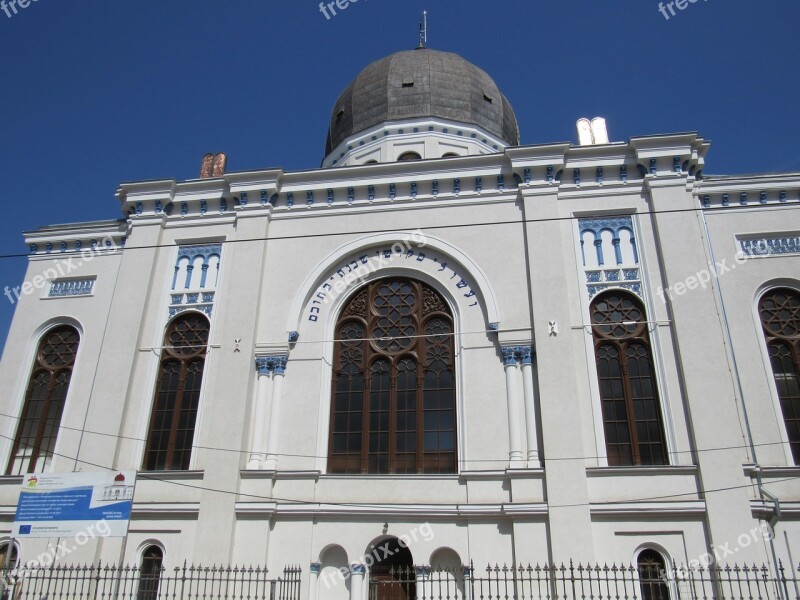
95	92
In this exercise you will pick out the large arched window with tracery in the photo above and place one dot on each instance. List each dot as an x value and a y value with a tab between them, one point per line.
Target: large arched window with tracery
780	317
177	397
631	409
393	394
45	396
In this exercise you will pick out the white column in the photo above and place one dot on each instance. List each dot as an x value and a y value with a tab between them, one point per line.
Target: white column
279	366
530	408
260	417
512	400
357	581
313	570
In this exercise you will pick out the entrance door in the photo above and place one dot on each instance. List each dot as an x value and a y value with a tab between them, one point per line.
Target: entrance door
392	575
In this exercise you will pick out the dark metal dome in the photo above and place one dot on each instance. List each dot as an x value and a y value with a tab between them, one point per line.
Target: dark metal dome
422	83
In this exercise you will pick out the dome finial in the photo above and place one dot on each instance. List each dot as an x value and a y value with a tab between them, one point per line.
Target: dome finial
423	30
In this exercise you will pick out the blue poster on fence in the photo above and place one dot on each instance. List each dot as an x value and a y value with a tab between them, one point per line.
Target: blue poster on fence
67	504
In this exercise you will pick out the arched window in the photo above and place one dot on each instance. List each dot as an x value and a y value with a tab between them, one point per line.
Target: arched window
47	390
780	316
631	409
409	156
150	573
393	397
169	441
652	575
8	563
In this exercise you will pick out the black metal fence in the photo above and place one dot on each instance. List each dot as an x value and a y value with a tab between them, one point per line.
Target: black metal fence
586	582
110	582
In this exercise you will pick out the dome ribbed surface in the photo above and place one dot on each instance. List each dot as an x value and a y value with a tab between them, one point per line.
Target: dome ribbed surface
422	83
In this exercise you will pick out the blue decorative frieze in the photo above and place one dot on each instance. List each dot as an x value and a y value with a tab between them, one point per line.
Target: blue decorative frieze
706	201
630	274
623	173
435	188
392	191
243	199
139	208
763	198
269	365
309	197
351	195
594	276
599	175
726	200
159	208
576	176
315	568
653	166
290	199
263	197
223	205
479	184
636	288
176	299
743	198
34	248
48	247
371	193
770	246
293	337
457	186
184	209
612	275
549	174
782	197
526	175
71	287
176	310
203	207
414	190
501	182
192	298
207	297
676	164
330	197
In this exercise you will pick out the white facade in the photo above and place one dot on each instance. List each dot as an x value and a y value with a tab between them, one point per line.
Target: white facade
507	238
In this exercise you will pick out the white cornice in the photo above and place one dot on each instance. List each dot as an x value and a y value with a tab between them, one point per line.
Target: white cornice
644	509
413	511
167	509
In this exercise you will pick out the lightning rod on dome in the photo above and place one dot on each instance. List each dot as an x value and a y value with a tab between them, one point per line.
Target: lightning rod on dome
423	30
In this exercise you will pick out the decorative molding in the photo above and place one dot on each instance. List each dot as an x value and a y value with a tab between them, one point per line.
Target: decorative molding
71	287
314	568
770	246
